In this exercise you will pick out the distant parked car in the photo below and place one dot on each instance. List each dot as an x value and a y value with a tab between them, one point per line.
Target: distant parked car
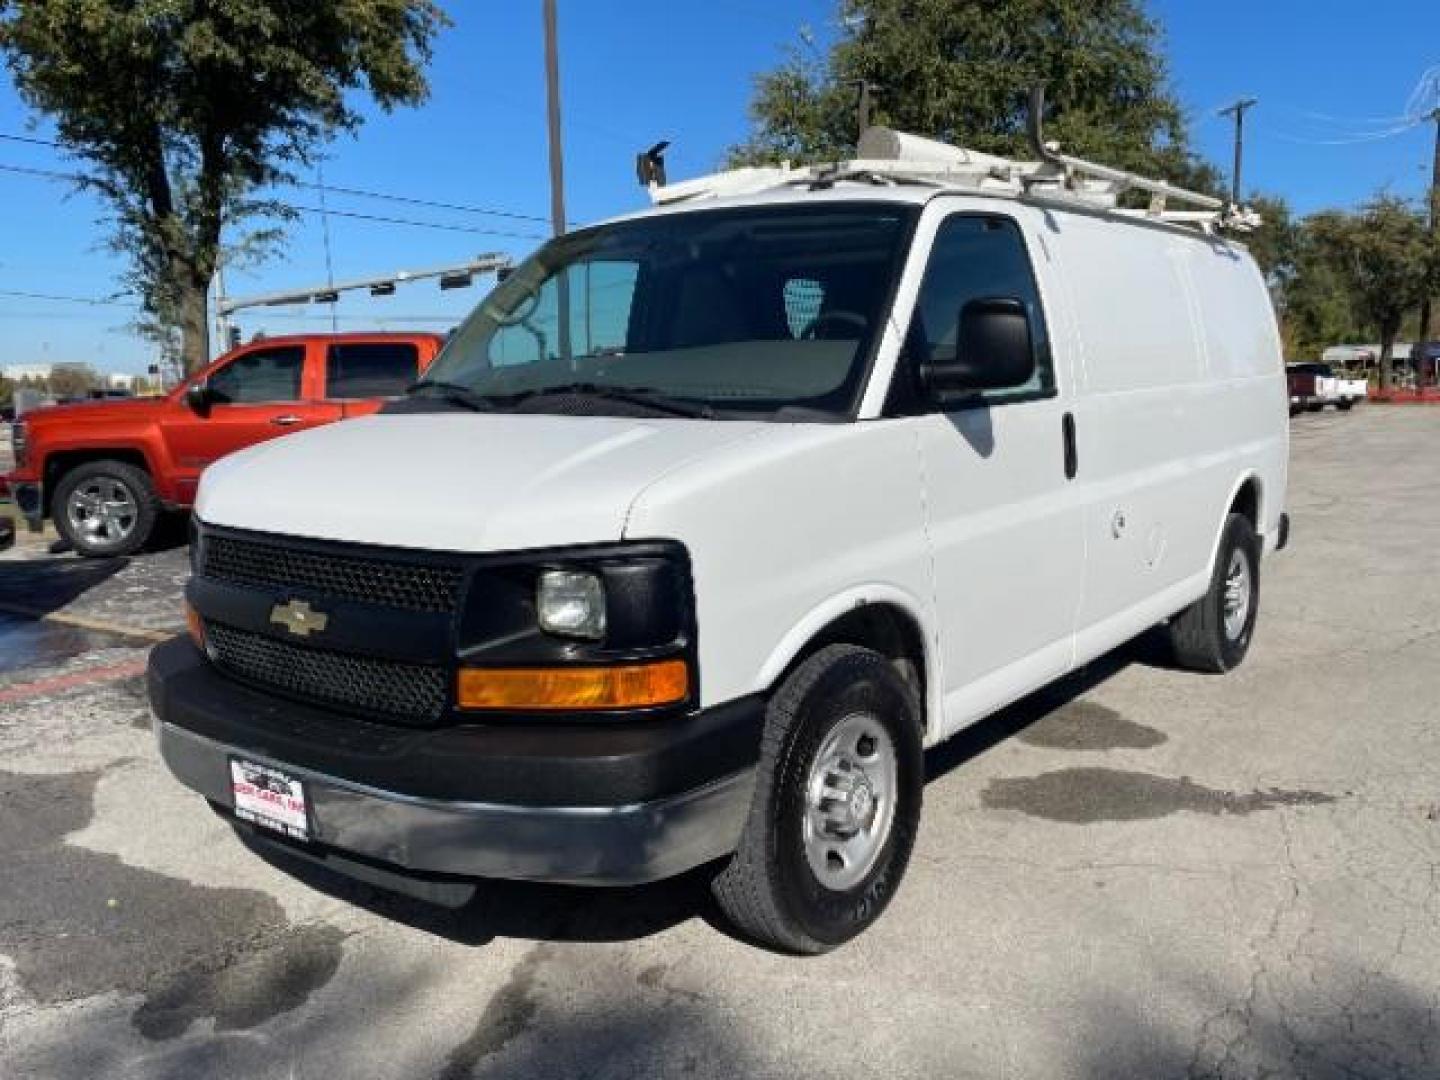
103	470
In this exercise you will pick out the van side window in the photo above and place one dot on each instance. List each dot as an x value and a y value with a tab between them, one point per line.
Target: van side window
977	256
260	376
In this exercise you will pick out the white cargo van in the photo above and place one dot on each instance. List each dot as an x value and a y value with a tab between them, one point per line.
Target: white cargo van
710	519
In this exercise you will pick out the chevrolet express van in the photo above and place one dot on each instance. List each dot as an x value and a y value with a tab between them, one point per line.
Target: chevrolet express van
711	519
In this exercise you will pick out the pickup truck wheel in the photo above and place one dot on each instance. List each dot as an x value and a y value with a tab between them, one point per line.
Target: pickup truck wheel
105	508
836	805
1213	634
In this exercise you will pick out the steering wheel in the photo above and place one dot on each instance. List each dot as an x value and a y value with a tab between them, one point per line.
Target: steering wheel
852	318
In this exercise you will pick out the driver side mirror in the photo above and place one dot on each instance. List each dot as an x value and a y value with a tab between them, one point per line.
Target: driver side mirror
994	350
197	398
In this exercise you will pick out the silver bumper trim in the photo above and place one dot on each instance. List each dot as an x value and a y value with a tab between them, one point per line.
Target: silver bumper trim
586	845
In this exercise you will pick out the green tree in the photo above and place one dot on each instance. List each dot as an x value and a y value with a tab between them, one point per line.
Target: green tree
1383	257
7	392
1320	308
72	380
185	109
962	70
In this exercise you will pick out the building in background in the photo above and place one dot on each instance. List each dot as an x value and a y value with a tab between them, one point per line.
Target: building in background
16	372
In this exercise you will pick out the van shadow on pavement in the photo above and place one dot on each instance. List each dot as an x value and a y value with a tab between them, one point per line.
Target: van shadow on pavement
46	585
544	912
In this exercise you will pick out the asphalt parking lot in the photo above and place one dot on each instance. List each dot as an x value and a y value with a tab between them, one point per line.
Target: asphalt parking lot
1143	873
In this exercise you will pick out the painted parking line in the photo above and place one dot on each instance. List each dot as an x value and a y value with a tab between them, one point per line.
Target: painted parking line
60	683
84	622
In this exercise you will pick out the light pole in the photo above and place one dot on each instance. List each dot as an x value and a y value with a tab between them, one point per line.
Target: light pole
557	164
1435	249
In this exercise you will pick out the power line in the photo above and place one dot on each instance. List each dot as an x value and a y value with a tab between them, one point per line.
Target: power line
1354	140
50	174
93	300
30	139
359	193
412	222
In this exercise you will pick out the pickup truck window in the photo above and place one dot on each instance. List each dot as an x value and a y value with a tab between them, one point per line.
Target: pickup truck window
754	310
370	369
260	376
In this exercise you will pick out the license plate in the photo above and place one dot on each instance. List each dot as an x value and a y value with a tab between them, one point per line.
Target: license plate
269	798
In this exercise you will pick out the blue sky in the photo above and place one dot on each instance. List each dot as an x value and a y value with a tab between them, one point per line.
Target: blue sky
1327	76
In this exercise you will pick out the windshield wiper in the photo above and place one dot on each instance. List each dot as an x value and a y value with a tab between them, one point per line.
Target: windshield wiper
455	393
643	396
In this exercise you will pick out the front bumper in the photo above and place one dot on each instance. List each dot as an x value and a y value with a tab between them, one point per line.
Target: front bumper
649	830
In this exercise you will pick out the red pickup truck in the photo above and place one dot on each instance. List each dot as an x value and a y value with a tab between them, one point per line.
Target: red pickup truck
103	471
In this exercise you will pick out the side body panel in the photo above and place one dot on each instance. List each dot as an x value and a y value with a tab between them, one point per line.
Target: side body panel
1181	397
787	533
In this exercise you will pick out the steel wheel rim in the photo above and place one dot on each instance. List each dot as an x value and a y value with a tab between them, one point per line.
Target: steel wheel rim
1236	607
102	511
850	799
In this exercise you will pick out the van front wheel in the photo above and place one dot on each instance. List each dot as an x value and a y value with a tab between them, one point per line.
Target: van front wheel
1213	634
836	805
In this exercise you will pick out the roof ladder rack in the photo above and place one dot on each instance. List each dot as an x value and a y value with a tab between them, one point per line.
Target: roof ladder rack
886	156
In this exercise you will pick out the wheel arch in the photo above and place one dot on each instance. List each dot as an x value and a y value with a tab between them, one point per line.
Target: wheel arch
880	617
60	462
1247	498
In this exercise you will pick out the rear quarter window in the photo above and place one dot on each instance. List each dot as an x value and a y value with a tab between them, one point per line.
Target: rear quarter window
370	369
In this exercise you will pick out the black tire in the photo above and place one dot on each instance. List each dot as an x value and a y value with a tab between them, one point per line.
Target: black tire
1200	636
769	890
140	492
1345	405
1318	406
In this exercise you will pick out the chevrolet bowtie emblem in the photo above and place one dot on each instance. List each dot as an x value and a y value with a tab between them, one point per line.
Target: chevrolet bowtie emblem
299	618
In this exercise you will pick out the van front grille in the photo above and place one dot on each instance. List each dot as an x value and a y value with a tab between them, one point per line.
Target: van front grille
426	587
408	693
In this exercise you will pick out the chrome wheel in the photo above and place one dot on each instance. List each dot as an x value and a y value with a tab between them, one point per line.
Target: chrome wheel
103	511
850	801
1238	588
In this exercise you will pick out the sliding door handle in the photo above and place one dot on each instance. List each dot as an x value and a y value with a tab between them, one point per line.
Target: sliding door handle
1072	461
286	421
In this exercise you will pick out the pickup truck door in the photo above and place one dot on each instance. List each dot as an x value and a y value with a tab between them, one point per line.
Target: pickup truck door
257	395
1005	526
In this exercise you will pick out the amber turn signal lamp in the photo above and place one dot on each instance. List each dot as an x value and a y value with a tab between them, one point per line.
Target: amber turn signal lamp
613	686
195	626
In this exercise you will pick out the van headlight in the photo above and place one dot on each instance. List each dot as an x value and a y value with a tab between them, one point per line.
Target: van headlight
571	603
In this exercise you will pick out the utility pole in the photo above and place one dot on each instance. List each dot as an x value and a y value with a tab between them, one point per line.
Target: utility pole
557	164
1435	248
1238	111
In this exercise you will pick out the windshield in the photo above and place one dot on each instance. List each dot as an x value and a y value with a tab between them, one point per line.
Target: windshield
750	311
